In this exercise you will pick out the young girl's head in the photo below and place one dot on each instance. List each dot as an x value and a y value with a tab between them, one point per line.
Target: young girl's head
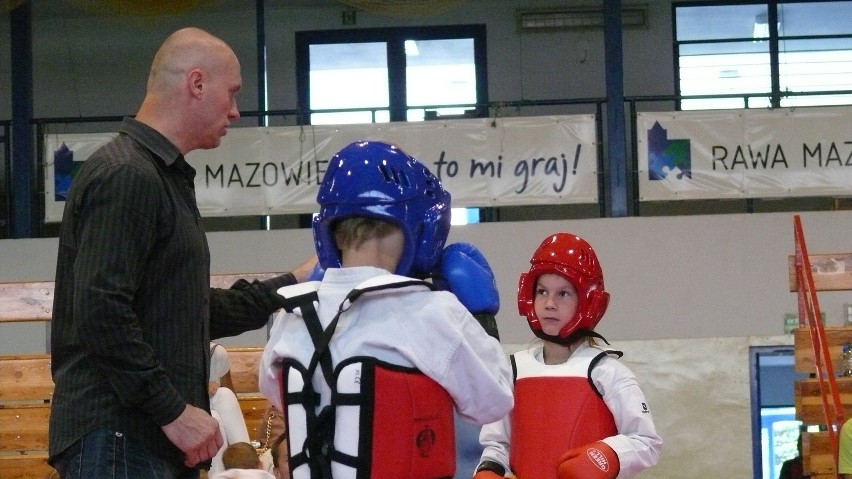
554	303
563	293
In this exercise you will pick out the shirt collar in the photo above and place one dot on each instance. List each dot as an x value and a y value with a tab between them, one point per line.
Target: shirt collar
151	139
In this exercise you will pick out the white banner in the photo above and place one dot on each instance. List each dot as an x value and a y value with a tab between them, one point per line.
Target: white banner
277	170
744	153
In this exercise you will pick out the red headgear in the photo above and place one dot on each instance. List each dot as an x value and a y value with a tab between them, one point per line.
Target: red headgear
574	259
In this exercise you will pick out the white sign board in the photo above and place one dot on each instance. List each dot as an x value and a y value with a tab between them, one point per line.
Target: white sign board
744	153
277	170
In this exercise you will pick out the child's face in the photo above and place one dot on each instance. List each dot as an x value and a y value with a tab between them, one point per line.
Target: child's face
555	302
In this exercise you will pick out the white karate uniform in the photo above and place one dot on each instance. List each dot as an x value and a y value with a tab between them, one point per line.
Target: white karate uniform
637	443
414	327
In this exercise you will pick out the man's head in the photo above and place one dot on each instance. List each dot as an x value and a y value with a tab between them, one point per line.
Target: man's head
192	87
372	179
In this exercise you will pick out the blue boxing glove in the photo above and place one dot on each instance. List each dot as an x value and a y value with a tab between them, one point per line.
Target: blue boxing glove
465	272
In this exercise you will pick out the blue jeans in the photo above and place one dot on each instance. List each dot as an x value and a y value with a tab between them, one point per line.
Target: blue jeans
107	454
468	448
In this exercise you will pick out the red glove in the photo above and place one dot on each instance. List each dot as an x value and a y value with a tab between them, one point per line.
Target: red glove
592	461
487	475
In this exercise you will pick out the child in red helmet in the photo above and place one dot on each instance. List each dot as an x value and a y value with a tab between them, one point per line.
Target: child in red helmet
579	412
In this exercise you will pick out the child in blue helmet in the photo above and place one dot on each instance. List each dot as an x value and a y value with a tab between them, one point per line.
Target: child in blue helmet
369	363
579	412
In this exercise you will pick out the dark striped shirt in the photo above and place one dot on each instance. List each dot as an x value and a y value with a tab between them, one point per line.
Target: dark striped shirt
133	309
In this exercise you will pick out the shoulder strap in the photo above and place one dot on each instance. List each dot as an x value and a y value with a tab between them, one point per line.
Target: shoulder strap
594	363
514	368
321	344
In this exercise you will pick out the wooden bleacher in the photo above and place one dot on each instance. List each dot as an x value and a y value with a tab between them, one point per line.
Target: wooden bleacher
26	386
822	399
24	411
244	369
817	448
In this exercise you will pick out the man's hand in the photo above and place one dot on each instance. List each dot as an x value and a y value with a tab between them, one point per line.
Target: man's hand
304	271
195	433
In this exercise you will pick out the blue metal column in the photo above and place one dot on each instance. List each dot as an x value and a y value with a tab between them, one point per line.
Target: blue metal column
615	161
260	19
263	119
23	165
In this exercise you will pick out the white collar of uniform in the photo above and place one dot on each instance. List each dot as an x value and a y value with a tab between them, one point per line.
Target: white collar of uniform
298	289
583	349
383	278
385	284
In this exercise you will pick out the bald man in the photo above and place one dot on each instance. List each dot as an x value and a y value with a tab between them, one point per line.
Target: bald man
133	310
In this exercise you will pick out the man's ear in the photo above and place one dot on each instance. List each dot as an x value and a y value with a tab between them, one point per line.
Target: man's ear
196	82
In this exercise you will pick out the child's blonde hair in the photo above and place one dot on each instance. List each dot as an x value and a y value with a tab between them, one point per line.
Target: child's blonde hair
352	232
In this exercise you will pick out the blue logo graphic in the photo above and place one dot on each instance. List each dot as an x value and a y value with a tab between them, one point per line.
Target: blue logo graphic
64	170
667	157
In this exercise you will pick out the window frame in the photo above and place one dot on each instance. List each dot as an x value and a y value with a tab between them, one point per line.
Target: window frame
394	37
775	93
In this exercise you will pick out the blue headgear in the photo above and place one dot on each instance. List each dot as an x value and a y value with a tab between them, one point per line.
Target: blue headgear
375	179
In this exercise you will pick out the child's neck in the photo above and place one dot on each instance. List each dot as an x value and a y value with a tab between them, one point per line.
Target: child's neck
382	253
554	353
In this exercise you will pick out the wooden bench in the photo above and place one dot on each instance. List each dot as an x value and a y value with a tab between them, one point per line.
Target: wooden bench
33	300
26	385
26	389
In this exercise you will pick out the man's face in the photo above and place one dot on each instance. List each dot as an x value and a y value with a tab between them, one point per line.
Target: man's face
220	103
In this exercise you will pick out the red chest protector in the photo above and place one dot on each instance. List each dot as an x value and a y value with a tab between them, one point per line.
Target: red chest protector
384	421
556	408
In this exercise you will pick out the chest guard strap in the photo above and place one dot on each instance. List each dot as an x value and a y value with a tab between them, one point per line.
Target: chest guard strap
306	426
